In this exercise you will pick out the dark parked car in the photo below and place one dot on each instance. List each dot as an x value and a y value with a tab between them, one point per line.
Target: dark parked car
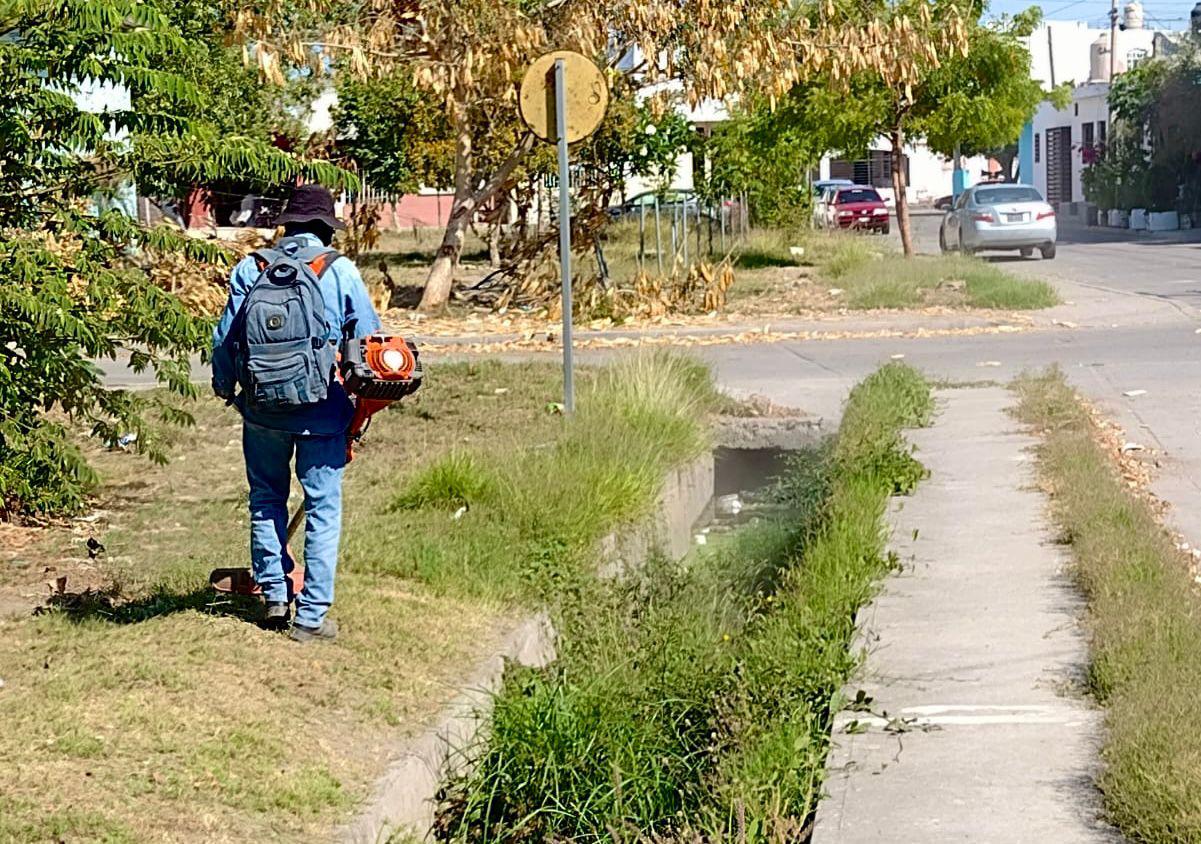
670	202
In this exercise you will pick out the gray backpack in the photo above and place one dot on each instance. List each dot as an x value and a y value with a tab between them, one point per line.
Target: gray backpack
285	354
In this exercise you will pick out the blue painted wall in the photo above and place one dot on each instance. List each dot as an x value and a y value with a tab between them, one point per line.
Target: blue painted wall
1026	154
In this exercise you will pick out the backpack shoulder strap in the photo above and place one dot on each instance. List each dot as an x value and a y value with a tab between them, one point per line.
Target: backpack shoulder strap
318	258
265	257
320	265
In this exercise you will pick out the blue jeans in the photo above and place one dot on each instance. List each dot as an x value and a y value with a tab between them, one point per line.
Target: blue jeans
320	461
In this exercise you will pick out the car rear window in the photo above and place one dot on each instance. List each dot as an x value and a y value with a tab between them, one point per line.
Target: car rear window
858	195
1009	194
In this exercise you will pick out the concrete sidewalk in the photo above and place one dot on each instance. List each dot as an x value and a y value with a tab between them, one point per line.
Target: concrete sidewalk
975	732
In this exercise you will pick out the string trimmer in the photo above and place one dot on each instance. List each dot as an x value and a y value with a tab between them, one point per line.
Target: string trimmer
375	371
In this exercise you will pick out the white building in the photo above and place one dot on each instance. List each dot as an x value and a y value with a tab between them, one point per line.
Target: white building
1060	138
1053	148
929	174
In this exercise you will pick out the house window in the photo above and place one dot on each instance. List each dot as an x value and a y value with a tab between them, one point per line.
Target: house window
1076	107
1135	57
1101	131
875	170
1037	147
1086	137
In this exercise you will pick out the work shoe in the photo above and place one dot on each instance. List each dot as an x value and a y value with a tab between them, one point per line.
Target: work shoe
277	615
327	632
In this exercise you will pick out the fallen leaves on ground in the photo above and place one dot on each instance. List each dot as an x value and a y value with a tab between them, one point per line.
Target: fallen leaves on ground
550	341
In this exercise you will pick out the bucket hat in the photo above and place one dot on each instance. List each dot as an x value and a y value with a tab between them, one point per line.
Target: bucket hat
310	202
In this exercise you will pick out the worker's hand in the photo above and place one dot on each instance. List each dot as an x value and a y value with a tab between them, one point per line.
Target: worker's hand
223	391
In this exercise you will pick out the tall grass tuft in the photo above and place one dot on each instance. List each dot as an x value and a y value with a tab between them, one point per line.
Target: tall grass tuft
454	480
1144	616
693	701
536	512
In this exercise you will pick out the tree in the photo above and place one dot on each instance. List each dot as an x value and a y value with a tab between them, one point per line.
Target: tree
398	139
977	97
470	54
765	152
1151	154
72	293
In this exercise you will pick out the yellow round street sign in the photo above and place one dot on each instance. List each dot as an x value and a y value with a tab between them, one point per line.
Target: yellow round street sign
587	96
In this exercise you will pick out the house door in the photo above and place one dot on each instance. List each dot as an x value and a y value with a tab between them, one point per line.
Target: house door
1059	165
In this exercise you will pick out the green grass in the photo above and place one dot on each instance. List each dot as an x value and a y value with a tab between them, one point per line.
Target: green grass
693	702
535	512
455	480
942	280
867	268
151	710
1144	617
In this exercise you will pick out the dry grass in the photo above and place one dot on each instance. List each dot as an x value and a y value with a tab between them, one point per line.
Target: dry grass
1144	618
154	713
141	707
832	272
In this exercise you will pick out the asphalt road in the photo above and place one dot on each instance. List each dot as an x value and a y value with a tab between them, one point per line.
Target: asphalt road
1130	322
1101	258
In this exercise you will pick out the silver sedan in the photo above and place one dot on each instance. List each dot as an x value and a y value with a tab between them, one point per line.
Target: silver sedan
999	216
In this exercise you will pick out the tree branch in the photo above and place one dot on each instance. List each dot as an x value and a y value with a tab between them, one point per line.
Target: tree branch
505	170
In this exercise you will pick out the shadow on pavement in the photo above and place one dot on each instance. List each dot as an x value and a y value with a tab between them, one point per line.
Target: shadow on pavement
1087	236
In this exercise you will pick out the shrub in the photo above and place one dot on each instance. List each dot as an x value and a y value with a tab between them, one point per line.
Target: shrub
71	294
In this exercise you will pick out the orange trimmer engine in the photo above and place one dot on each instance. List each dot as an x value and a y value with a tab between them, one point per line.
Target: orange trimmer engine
376	371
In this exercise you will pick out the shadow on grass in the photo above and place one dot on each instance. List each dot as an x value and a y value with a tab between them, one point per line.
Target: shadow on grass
407	296
1005	259
758	259
419	257
104	605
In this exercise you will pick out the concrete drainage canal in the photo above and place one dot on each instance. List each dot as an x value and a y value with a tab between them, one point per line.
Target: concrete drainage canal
618	713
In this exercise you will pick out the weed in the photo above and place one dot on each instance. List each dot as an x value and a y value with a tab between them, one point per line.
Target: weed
454	480
542	508
870	439
1144	617
693	701
848	255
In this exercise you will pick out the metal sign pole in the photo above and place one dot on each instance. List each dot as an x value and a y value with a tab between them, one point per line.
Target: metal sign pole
564	229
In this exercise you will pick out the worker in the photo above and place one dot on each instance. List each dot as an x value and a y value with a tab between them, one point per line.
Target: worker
289	308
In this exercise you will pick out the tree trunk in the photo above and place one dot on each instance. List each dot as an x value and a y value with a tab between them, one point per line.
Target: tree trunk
446	260
494	243
899	184
441	277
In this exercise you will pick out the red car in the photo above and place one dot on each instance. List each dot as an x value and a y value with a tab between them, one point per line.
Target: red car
858	207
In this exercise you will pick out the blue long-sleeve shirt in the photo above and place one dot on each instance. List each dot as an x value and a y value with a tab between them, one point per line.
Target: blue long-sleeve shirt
349	312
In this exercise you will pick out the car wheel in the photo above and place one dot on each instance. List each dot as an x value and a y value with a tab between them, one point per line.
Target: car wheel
963	248
1027	251
884	231
942	241
1048	251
